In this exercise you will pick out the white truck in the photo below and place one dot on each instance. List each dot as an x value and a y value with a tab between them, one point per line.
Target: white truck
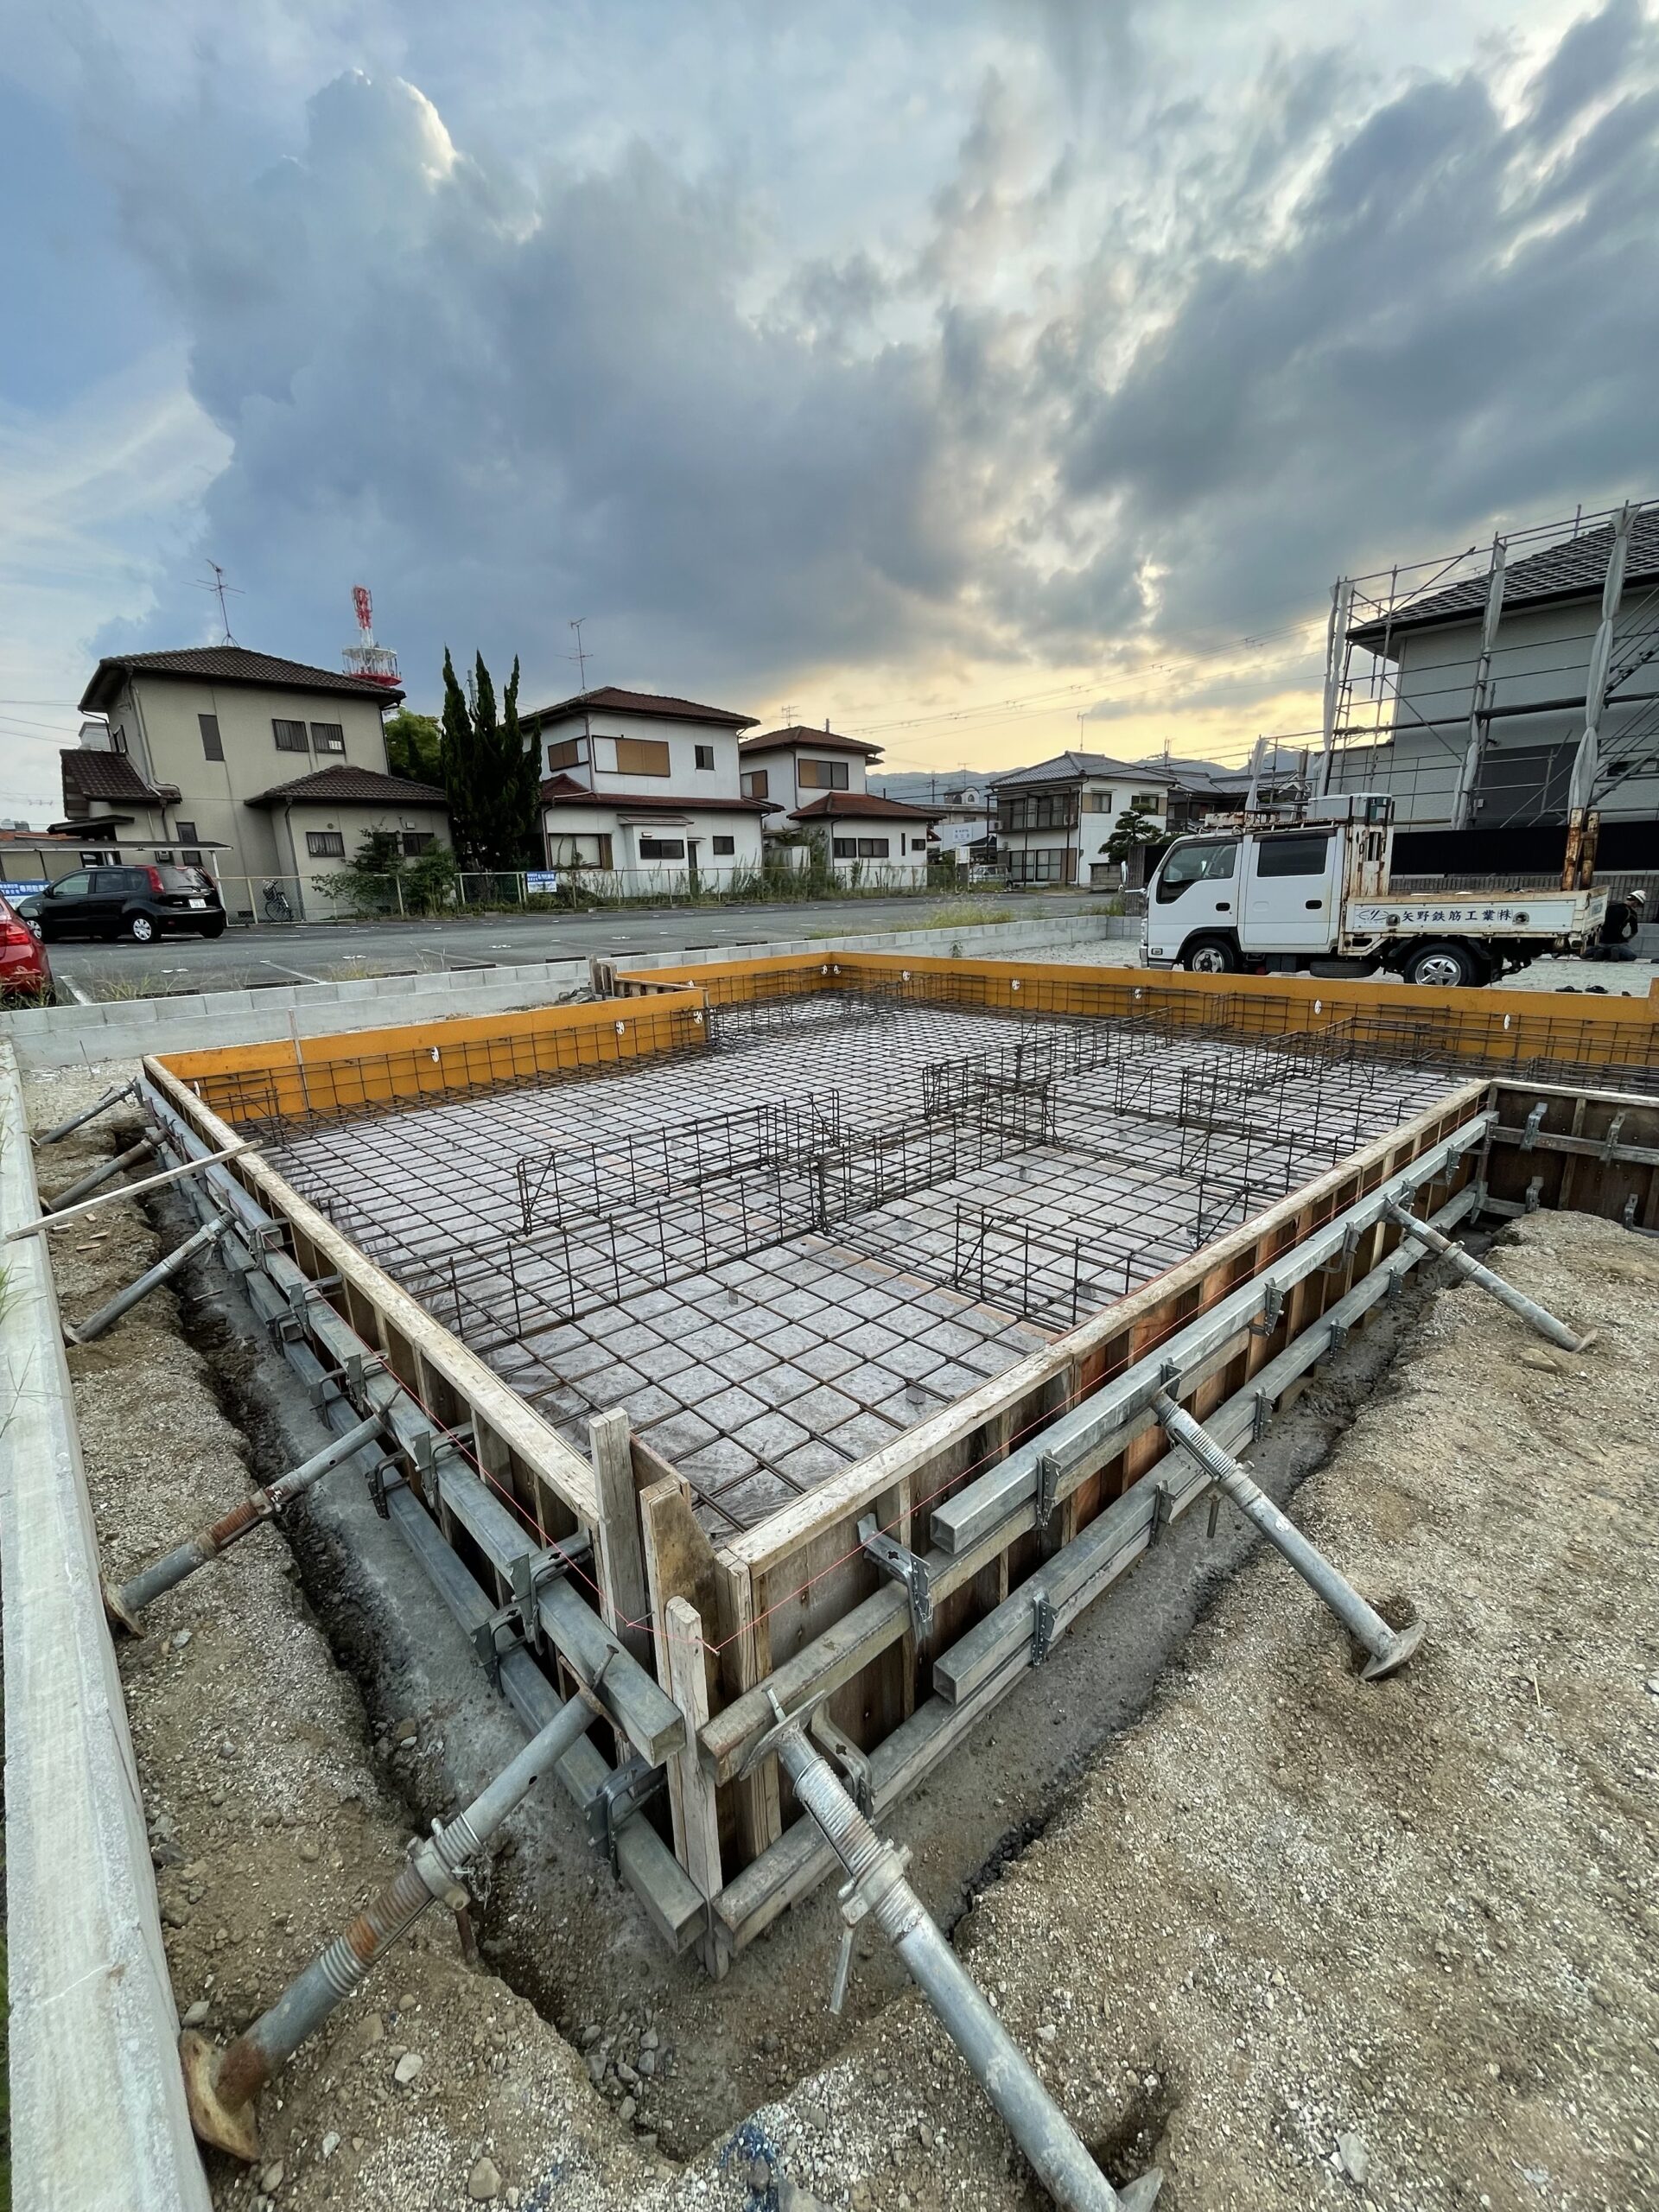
1315	894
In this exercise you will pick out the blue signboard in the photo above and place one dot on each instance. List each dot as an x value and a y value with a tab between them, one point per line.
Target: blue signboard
21	890
541	879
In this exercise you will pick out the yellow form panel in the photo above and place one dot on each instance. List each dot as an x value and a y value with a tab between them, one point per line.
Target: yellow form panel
393	1066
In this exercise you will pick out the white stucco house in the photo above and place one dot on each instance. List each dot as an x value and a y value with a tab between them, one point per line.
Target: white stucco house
642	788
820	780
1053	820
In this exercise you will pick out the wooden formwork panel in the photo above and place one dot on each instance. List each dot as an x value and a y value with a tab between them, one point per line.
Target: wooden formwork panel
795	1601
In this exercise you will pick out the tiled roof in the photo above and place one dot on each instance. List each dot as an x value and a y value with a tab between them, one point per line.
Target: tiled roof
560	791
352	786
229	664
798	738
864	806
1571	569
1067	767
609	701
104	775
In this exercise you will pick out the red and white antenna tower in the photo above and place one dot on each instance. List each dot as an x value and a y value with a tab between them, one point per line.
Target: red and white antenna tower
374	664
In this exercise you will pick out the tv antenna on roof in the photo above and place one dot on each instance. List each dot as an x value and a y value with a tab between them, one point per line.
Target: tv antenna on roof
217	585
580	656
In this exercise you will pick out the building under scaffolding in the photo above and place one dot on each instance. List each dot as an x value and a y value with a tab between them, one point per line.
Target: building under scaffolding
1498	687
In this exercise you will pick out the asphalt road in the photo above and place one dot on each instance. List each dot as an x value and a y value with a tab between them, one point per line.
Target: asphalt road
323	952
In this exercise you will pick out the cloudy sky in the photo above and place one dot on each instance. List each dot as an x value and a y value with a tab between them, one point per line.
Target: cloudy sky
982	374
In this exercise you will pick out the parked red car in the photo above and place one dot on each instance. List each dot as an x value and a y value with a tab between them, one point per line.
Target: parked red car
25	972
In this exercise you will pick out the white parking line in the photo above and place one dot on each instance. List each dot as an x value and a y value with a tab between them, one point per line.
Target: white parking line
297	972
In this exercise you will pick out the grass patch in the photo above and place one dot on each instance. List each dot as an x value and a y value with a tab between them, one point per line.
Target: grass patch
964	914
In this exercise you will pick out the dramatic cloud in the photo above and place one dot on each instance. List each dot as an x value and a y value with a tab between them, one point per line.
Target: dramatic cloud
1060	340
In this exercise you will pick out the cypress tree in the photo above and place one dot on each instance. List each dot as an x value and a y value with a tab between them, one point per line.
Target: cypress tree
493	783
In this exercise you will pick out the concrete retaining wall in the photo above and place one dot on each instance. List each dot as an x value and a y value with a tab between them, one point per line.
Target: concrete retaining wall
125	1029
98	2121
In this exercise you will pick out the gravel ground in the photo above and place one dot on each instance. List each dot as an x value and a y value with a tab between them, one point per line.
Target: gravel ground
1302	1941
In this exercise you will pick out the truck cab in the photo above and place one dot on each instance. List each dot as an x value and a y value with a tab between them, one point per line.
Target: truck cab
1240	898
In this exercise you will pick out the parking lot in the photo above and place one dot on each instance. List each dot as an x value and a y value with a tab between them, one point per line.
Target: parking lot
246	958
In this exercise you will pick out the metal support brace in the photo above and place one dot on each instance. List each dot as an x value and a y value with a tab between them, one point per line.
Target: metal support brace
1163	1512
220	2085
83	1333
1042	1626
1273	1307
1533	1196
1610	1147
1535	1124
622	1793
854	1767
904	1567
1388	1648
89	1113
877	1890
1048	1484
1471	1271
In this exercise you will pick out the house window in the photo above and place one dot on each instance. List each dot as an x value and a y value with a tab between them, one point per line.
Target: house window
859	849
1096	802
212	745
756	785
118	738
186	832
821	775
1046	865
1040	811
641	756
579	850
725	847
328	737
661	849
325	844
191	859
569	753
290	736
91	860
705	756
918	844
417	842
1147	802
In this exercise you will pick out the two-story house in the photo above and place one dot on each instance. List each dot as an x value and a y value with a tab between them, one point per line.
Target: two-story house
1053	822
821	780
646	787
236	761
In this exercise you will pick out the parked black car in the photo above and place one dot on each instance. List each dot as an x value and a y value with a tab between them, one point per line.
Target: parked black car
143	903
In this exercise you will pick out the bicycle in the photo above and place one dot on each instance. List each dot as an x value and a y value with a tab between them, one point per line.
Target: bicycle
276	907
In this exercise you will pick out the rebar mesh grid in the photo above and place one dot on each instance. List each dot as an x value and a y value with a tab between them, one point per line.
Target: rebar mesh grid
836	1215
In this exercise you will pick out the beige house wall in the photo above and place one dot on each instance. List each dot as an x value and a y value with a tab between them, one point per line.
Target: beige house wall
158	716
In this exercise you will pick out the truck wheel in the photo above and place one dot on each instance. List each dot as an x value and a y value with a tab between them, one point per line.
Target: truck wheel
1209	956
1444	965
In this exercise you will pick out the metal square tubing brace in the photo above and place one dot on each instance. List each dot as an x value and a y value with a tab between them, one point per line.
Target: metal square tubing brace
221	2086
1388	1648
877	1888
125	1604
1505	1293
